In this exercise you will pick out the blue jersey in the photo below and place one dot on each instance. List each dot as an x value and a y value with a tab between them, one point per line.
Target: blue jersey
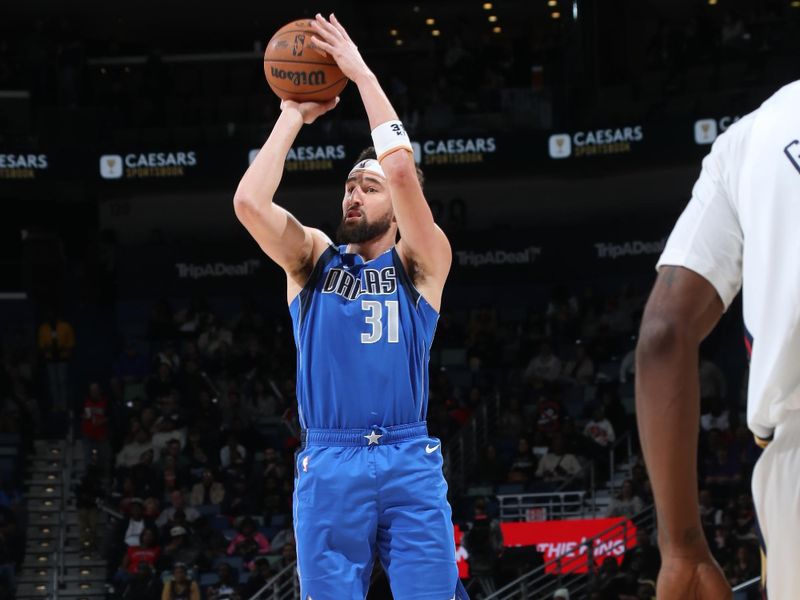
363	336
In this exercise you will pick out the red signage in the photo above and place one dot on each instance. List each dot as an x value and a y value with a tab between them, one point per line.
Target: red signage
567	540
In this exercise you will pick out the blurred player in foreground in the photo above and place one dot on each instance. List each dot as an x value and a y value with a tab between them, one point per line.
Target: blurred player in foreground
739	229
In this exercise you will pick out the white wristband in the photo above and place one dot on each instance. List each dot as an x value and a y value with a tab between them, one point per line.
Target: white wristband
388	137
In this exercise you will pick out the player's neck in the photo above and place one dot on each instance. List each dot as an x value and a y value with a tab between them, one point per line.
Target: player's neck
374	247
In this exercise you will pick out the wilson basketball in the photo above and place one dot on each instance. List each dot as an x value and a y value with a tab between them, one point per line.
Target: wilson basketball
296	70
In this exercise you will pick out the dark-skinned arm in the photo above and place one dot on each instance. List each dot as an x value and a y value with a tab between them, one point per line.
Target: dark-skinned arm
682	310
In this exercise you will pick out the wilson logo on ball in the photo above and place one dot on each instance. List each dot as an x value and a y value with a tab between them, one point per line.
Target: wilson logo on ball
300	77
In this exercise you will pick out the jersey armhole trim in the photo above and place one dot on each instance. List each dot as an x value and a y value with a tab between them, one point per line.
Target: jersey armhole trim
304	297
704	269
405	281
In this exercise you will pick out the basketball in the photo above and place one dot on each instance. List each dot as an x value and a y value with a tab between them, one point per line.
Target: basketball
298	71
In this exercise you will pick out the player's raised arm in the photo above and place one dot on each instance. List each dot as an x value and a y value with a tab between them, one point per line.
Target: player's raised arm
279	234
422	240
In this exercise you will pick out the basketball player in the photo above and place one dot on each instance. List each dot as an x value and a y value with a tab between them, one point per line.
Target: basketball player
368	478
740	228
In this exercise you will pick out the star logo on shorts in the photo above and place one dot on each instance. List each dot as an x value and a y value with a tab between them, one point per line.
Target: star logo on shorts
373	438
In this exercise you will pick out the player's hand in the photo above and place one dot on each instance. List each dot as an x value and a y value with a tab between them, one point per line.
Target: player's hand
331	37
692	579
310	111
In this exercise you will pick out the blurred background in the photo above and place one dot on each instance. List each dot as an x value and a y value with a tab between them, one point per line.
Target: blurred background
147	410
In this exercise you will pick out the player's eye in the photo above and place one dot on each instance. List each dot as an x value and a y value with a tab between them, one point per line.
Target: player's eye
371	190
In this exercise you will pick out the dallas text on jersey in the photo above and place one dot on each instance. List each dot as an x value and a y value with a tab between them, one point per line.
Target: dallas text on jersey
372	281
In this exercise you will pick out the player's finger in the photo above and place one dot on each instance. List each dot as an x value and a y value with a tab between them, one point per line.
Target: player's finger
326	27
322	33
331	104
340	28
318	43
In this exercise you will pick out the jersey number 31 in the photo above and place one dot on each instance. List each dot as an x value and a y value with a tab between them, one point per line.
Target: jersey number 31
374	318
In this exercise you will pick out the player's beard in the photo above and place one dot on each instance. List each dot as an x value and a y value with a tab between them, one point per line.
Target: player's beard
362	230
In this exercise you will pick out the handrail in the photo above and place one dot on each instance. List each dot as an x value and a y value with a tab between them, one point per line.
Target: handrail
274	581
539	581
743	587
109	511
587	469
66	483
559	505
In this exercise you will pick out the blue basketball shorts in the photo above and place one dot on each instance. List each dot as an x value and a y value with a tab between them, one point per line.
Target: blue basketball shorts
379	492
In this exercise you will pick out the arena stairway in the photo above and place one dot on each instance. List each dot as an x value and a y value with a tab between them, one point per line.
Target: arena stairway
55	564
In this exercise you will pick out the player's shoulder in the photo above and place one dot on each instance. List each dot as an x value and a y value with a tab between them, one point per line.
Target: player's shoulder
785	98
775	109
319	236
769	117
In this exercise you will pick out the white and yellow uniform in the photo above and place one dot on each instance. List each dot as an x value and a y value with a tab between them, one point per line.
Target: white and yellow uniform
741	229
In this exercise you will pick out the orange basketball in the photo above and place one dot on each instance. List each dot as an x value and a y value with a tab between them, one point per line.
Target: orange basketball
296	70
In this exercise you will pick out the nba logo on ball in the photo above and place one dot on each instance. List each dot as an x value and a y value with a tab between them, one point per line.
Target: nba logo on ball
560	145
705	131
111	166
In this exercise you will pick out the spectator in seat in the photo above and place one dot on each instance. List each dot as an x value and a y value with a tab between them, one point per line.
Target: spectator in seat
545	366
178	501
558	465
249	542
161	383
133	527
548	415
626	504
522	465
744	566
238	496
179	549
233	453
198	451
180	587
579	369
261	576
716	416
209	543
280	539
208	491
146	551
228	586
131	453
144	476
599	430
143	585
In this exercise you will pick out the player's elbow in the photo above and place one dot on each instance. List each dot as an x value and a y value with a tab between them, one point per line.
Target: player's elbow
244	207
400	169
660	336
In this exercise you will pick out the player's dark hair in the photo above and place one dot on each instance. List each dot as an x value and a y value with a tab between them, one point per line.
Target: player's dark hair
369	152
